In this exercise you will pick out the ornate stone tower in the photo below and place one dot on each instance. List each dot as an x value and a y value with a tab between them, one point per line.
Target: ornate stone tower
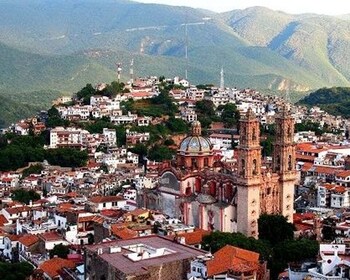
249	175
284	161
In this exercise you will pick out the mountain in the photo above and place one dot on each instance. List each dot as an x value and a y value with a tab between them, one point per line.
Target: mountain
61	45
334	100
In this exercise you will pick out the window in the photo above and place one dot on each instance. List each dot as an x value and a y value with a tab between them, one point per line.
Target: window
278	162
255	169
254	135
290	165
206	162
194	162
243	167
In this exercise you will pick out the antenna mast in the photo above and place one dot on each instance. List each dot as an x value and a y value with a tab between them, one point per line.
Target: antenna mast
222	79
132	71
186	47
119	70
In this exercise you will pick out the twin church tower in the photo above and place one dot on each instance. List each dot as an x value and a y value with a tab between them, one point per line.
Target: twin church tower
201	190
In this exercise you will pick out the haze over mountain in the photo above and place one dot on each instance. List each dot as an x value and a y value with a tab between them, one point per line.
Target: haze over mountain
61	45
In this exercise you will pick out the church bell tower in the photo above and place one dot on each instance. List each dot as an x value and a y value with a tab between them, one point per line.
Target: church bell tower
284	161
249	175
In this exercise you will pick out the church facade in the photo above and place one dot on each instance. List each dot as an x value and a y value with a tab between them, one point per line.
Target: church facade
202	191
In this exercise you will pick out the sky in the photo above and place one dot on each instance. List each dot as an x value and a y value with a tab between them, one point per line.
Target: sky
329	7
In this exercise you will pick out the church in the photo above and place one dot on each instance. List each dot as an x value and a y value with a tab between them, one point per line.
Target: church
200	190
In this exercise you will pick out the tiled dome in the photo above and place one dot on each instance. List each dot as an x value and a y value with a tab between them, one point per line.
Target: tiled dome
195	143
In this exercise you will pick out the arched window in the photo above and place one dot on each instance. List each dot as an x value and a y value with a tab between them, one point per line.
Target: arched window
242	133
206	162
243	167
290	165
289	131
278	163
194	162
254	134
255	168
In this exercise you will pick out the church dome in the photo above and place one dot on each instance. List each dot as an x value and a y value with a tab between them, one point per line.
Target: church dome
195	143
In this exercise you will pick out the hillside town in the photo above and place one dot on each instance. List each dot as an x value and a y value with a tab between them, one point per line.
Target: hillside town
156	186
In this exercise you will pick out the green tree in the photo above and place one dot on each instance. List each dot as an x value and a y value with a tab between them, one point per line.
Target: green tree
292	251
177	125
54	118
33	169
275	228
229	114
85	93
217	239
15	271
24	196
160	153
60	251
67	157
205	107
267	146
328	229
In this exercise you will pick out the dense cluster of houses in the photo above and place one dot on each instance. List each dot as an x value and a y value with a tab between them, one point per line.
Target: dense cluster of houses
97	213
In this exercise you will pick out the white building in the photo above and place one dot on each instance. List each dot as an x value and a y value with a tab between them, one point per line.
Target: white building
333	265
110	136
68	138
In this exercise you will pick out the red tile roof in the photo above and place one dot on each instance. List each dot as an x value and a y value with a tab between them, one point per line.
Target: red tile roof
326	170
53	266
28	239
103	199
343	174
233	258
91	218
307	166
195	237
3	220
123	232
50	236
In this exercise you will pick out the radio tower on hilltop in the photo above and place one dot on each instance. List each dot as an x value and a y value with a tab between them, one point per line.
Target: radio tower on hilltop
222	79
119	71
132	71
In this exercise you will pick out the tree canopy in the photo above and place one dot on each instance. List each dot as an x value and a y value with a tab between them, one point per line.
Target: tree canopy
275	228
60	251
15	271
24	196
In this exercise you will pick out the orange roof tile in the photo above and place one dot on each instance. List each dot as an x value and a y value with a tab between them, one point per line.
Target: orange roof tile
92	218
195	237
233	258
53	266
307	166
50	236
103	199
28	239
343	174
298	217
123	232
327	170
3	220
138	212
304	157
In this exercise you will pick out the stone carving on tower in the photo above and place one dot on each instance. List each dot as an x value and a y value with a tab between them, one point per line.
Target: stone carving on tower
249	175
284	161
